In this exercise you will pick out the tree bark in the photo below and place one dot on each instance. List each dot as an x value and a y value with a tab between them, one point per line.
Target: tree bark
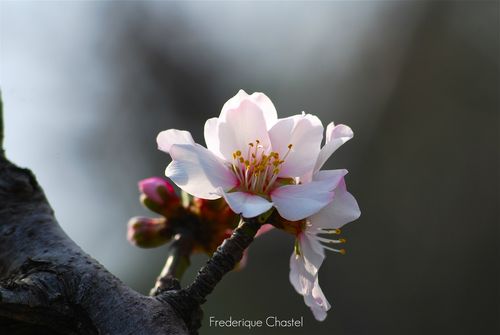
49	285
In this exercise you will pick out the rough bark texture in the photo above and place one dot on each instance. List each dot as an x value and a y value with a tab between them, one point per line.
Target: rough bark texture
187	301
48	285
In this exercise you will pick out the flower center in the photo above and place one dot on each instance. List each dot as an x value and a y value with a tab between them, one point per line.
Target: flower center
257	171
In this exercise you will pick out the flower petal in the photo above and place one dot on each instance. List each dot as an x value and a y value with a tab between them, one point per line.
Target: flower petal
246	204
307	285
232	103
343	209
211	133
267	107
243	125
198	172
330	179
300	279
317	302
150	188
296	202
260	99
264	229
304	133
335	137
312	252
167	138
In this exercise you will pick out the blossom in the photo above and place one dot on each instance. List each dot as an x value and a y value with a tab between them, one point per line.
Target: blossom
252	159
311	243
158	195
147	232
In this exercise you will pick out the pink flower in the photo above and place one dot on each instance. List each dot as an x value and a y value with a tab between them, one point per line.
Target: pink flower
147	232
252	159
309	251
158	195
156	188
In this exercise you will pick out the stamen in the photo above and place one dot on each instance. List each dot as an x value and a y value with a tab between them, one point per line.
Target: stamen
258	171
331	231
340	251
327	240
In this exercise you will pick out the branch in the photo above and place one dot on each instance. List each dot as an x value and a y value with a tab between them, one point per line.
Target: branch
49	285
188	301
177	262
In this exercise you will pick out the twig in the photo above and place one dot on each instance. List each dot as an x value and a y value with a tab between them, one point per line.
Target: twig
176	264
187	301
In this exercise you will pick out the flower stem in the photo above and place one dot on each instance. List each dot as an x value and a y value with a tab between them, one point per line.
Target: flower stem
175	266
188	301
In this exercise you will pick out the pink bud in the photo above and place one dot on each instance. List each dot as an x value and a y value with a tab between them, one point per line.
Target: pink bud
158	195
148	232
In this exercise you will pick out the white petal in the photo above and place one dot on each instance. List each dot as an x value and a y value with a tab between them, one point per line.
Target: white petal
267	107
260	99
308	286
246	204
330	179
316	300
198	172
335	137
296	202
304	133
300	279
232	103
312	252
167	138
211	133
243	125
343	209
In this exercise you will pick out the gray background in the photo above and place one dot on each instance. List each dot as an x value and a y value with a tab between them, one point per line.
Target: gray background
88	85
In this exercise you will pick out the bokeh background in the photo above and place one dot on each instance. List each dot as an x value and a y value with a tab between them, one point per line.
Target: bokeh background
88	85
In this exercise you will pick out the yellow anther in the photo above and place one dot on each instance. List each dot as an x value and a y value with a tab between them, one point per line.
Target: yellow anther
238	153
242	160
342	240
247	163
276	171
290	146
331	231
342	251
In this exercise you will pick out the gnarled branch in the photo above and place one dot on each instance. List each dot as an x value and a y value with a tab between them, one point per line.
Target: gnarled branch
48	285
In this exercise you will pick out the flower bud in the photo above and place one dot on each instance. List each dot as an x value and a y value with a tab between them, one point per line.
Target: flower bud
216	211
148	232
158	195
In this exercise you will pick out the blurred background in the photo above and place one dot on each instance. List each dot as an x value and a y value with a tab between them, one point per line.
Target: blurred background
88	85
